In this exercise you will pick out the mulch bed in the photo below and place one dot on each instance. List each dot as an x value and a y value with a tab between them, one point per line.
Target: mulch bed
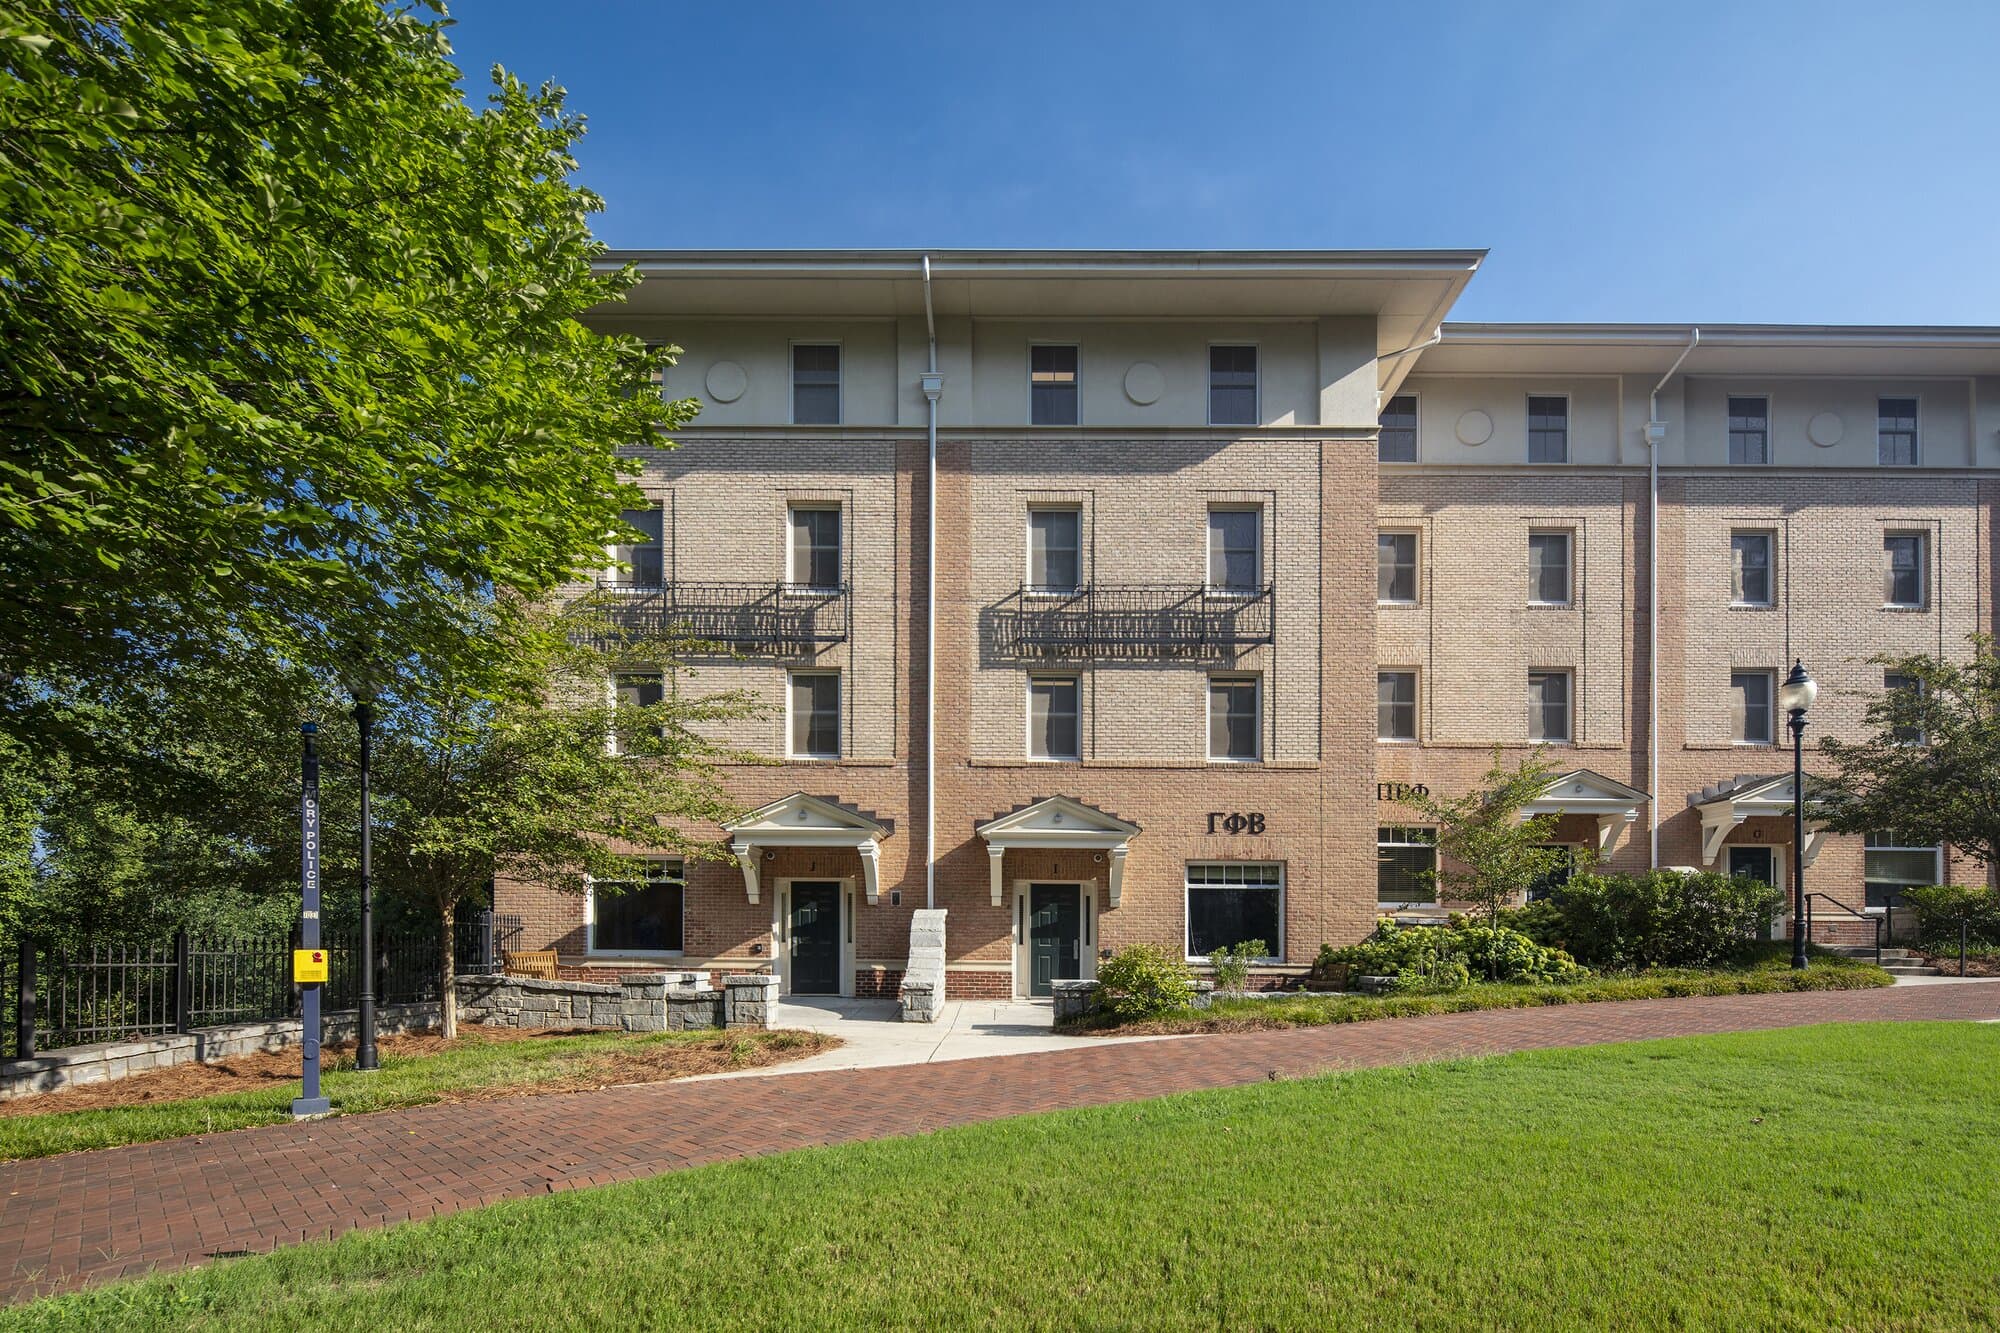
650	1062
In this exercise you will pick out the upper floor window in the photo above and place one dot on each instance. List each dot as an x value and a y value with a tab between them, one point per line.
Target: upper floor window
1548	569
1750	568
815	714
1055	549
1051	385
1750	707
1055	728
1396	567
1399	430
636	689
1548	706
1234	549
1548	428
1905	569
644	560
1896	432
815	559
1396	705
1749	429
816	384
1901	682
1232	385
1233	725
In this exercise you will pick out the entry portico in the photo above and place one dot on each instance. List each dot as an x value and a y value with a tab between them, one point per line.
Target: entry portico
1058	823
1054	915
801	853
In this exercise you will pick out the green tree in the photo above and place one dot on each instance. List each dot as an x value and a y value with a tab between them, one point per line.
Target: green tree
1930	766
289	342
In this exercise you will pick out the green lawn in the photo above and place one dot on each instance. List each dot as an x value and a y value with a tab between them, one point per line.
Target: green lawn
470	1066
1767	971
1842	1176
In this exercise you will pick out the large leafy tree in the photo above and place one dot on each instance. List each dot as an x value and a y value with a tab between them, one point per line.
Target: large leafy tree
289	348
1929	766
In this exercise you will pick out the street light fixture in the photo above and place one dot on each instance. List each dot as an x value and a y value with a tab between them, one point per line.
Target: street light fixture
1795	696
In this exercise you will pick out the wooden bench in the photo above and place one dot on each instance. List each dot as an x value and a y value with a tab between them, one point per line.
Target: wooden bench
532	963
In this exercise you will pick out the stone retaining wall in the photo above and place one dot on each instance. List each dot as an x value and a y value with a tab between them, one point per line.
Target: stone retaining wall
638	1002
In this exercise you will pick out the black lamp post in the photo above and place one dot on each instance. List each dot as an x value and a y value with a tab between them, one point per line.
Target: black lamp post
1795	696
365	1057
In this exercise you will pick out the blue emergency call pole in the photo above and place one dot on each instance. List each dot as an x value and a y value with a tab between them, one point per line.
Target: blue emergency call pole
309	967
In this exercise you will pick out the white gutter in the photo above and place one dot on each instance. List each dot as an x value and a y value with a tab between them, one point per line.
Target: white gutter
933	387
1656	435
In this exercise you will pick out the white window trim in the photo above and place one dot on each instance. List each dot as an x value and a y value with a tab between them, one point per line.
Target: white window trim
1419	428
839	711
1569	428
1033	343
839	511
1770	708
1187	916
1569	710
1256	587
1028	717
1416	705
1770	427
792	381
1770	568
1916	398
1924	544
1208	383
590	948
1392	904
1568	536
1416	565
1028	548
1235	678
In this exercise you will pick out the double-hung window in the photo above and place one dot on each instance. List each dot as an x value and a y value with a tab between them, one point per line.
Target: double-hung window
1398	440
1396	568
1052	385
636	689
815	559
1055	549
639	915
1405	866
1054	718
1905	570
1896	442
1234	550
1234	725
1548	569
1900	682
1749	430
1750	707
1232	385
1396	705
1236	902
644	560
816	384
1749	569
1548	707
815	714
1548	428
1893	863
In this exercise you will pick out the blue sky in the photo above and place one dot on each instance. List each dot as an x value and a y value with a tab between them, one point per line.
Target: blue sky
1783	162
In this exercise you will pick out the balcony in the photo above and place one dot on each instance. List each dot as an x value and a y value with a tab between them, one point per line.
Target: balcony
1133	621
746	619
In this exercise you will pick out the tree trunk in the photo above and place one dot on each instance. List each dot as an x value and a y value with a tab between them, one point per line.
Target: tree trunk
448	992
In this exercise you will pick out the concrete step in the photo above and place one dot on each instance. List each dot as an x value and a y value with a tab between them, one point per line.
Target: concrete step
1911	970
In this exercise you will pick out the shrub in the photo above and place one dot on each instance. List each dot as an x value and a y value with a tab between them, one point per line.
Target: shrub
1232	965
1662	918
1541	921
1144	981
1941	907
1446	958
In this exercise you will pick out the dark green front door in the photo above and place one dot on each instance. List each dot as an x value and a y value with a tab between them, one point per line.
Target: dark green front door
815	939
1055	936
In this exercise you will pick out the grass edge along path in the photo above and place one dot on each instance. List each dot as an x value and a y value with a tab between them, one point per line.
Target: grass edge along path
1744	1180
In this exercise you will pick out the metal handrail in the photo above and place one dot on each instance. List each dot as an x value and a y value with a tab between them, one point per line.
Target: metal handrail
778	617
1136	617
1864	916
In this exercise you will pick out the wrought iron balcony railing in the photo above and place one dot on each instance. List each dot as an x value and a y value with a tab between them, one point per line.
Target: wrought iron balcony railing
760	619
1133	620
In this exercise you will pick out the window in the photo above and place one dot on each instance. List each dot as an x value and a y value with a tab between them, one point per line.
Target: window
1896	432
1054	718
1750	568
1405	866
1232	386
1548	569
815	546
639	915
816	384
1396	705
1051	385
1236	902
1905	569
1055	549
1894	862
1234	549
1749	430
815	707
644	560
637	689
1894	682
1399	430
1750	707
1396	567
1548	429
1233	731
1546	886
1548	706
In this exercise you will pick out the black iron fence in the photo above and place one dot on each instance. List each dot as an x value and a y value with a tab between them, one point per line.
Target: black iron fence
1134	621
755	619
56	995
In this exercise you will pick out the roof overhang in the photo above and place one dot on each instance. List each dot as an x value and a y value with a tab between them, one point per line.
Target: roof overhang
1583	791
1725	349
1058	822
1727	804
800	820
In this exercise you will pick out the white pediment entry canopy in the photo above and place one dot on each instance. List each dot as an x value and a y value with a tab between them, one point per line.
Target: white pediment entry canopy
1058	821
1726	804
800	820
1582	791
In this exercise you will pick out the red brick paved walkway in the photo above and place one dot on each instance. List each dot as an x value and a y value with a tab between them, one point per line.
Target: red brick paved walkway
86	1217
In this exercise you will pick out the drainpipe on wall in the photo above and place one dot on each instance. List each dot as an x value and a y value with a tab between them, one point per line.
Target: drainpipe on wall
933	387
1656	435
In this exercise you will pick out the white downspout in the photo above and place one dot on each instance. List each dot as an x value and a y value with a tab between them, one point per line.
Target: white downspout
933	387
1656	435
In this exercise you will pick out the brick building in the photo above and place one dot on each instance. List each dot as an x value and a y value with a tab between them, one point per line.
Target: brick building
1189	513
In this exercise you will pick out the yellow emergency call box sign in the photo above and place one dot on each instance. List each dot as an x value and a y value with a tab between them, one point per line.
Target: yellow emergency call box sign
308	965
